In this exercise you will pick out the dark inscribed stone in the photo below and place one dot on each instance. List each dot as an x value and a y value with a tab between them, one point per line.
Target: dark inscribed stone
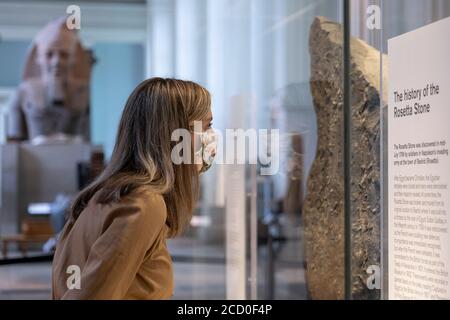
324	204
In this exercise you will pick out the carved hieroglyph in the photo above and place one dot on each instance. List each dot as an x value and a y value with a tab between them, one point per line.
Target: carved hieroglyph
324	204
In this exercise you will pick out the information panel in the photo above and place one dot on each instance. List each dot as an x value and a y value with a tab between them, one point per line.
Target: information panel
419	167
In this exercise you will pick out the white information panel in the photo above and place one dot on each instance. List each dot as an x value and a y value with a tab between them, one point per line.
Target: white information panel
419	167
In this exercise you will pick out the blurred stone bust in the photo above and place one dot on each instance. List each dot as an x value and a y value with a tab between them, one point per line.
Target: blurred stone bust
52	102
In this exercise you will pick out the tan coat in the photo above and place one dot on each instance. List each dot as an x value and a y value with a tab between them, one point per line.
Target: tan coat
120	250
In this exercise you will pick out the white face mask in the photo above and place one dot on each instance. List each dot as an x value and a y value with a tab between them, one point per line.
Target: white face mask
207	150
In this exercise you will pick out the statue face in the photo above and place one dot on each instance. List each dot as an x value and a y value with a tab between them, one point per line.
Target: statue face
55	58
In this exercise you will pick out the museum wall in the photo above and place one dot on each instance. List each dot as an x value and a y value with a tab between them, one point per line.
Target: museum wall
14	53
111	86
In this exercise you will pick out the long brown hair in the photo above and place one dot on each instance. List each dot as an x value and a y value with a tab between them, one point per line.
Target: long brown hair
142	153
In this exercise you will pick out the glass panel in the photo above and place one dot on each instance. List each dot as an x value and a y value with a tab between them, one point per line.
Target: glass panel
271	227
300	209
383	226
368	96
259	59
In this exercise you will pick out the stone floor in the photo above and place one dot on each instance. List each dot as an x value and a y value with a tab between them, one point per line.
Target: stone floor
199	271
193	281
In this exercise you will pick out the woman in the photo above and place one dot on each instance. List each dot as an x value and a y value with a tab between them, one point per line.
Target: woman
114	243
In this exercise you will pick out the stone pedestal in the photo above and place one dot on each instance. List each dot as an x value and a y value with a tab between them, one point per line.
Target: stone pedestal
33	174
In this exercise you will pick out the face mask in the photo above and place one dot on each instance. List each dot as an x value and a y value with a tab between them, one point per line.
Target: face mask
204	156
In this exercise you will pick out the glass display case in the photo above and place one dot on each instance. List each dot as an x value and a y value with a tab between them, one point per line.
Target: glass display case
307	197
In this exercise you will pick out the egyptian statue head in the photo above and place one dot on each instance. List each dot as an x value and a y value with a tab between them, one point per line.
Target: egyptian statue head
53	97
56	55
